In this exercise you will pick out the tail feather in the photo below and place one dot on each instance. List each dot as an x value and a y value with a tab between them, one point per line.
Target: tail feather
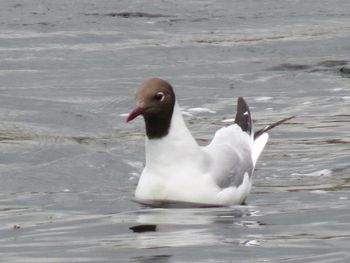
243	117
244	120
258	146
270	126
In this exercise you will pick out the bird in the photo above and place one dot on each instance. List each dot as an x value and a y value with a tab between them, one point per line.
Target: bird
180	173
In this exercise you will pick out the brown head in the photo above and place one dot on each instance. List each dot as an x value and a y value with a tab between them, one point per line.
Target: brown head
155	100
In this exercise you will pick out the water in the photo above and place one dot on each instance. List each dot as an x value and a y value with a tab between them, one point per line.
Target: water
69	163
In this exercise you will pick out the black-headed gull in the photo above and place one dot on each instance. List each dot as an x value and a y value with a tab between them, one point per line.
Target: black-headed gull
178	170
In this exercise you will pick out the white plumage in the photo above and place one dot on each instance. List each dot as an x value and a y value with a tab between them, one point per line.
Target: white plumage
178	170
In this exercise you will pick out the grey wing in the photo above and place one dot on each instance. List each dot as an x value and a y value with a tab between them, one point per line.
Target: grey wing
230	153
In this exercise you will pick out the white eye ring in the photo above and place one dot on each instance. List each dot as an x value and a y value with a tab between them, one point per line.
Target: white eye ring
160	96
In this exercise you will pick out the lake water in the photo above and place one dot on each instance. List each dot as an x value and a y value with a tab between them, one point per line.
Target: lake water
69	163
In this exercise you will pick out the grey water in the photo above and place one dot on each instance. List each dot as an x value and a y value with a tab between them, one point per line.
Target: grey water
69	163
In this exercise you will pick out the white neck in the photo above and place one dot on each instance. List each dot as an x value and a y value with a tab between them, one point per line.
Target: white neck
178	144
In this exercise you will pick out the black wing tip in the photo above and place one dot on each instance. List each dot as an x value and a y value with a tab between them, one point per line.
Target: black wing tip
271	126
243	117
241	100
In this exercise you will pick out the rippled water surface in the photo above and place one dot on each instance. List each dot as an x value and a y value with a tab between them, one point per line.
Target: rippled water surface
69	163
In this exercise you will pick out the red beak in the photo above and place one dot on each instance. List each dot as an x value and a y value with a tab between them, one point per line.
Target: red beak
134	113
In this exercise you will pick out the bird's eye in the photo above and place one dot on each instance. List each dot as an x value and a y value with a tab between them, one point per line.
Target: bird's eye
159	96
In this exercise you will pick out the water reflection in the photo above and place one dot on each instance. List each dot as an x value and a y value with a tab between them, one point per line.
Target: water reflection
151	259
157	228
193	216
